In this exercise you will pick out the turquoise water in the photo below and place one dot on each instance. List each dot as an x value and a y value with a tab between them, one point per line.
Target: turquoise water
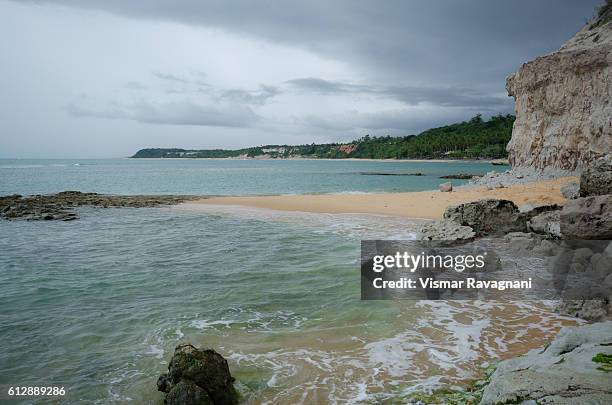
224	177
97	305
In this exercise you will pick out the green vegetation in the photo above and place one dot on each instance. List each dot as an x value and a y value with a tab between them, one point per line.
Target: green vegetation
605	360
603	14
471	139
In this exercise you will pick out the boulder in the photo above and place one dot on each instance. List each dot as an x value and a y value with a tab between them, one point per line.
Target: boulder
187	393
446	230
596	179
546	223
562	373
571	191
487	217
587	218
528	211
198	377
446	187
590	310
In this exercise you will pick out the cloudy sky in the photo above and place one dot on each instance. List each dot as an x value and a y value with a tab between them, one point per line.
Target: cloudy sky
104	78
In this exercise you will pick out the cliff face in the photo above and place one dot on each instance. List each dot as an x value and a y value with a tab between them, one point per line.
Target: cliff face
563	111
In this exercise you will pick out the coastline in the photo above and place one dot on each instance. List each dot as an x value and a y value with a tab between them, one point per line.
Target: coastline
421	204
326	159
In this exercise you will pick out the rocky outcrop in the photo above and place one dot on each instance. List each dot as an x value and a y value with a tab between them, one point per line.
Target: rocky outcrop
487	217
587	218
446	230
596	179
571	191
546	223
563	110
197	377
61	206
562	373
591	310
492	217
590	216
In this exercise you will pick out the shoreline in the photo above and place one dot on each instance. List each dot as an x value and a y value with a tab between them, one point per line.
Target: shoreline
416	205
330	159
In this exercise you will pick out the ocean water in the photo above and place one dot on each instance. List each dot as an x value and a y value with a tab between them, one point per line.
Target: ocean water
224	177
97	305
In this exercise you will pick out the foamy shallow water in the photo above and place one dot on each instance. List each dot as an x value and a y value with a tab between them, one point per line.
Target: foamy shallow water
98	305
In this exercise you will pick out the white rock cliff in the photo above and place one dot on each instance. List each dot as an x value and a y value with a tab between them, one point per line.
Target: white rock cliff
563	111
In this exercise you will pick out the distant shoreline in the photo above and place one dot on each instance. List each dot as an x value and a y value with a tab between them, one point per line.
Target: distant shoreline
330	159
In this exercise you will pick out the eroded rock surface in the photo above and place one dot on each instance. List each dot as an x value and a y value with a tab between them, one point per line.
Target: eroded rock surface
587	218
446	230
571	191
61	206
596	179
546	223
487	217
562	373
563	110
197	377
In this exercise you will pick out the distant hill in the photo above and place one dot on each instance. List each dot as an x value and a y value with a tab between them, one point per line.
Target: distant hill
475	138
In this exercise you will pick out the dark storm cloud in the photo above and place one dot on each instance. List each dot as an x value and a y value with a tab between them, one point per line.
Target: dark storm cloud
410	95
313	69
445	41
258	97
396	122
171	113
187	84
323	86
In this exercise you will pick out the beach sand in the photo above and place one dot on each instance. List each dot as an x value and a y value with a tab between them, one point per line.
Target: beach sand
423	204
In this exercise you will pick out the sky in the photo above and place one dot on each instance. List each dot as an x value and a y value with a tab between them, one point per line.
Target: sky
104	78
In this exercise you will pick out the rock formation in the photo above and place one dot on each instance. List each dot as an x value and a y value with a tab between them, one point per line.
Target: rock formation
487	217
197	377
597	178
61	206
563	110
564	372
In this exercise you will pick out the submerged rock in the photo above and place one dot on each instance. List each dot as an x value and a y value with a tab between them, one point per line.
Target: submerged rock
459	176
562	373
487	217
197	376
61	206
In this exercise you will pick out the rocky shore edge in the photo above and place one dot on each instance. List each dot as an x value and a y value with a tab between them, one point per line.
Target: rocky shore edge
575	366
62	206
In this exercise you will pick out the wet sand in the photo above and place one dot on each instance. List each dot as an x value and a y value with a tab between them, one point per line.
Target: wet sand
423	204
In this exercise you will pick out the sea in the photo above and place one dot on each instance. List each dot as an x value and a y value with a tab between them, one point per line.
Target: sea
97	305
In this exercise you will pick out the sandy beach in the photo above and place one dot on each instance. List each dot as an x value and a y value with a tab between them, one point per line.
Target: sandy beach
423	204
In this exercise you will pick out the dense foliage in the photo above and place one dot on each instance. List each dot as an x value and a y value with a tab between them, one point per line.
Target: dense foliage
475	138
